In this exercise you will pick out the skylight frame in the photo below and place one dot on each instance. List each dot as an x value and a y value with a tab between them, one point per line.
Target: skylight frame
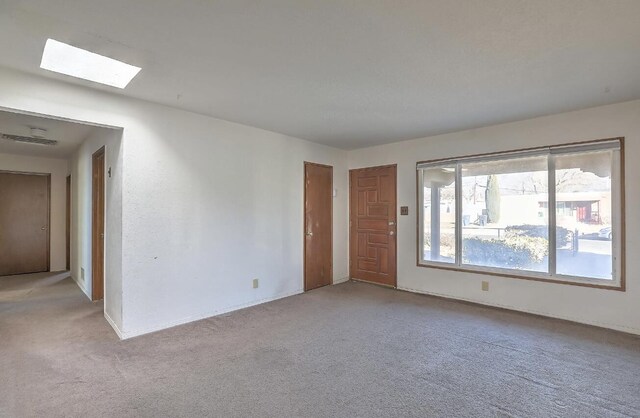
76	62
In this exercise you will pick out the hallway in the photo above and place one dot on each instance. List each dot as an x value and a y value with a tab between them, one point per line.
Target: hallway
47	308
42	315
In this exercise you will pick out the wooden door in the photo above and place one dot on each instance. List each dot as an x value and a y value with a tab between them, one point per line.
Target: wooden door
372	225
318	225
97	226
24	223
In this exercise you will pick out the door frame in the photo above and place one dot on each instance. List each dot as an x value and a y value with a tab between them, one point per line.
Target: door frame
68	224
94	235
48	176
304	226
351	237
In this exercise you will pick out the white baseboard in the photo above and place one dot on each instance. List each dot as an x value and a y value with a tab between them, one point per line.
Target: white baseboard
84	290
341	280
137	332
615	327
113	325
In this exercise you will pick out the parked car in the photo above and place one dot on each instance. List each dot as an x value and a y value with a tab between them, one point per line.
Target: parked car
605	233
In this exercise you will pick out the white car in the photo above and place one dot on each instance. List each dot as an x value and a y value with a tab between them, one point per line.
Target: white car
605	233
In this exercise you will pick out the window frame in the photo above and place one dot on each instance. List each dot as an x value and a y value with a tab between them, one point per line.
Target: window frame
617	222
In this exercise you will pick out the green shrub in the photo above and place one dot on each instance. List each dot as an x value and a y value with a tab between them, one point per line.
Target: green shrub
516	251
563	235
521	247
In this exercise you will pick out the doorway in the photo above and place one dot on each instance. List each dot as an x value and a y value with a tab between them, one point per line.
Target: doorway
25	207
97	225
372	225
318	225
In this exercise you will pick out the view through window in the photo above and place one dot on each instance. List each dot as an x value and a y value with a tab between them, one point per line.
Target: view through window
492	212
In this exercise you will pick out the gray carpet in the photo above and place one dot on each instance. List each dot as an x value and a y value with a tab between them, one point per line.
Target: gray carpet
351	350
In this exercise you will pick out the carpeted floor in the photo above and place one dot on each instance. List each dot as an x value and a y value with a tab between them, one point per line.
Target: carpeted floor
350	350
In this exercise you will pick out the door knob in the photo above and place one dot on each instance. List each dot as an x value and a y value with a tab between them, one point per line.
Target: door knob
44	228
309	234
390	232
391	223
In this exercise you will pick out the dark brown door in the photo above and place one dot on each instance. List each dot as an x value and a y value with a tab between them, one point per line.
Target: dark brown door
318	226
97	227
68	224
372	220
24	223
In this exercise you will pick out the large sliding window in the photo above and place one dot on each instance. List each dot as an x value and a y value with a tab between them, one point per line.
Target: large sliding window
551	213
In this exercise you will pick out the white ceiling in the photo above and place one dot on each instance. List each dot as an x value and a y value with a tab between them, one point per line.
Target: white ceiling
68	134
349	73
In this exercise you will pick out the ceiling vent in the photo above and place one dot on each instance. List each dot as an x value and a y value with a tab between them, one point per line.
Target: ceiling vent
29	139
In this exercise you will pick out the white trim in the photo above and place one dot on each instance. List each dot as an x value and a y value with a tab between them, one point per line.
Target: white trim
552	222
621	328
113	325
82	288
341	280
420	212
617	177
524	274
612	144
59	118
497	156
458	217
141	331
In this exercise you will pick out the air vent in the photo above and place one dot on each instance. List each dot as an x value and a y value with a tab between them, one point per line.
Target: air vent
29	140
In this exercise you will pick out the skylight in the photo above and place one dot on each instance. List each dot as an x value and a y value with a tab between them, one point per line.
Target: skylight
75	62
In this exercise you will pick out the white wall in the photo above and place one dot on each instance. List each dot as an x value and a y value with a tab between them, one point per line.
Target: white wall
58	170
607	308
210	205
207	205
81	227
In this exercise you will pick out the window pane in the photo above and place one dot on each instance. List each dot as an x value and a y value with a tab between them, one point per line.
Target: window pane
583	214
504	214
439	214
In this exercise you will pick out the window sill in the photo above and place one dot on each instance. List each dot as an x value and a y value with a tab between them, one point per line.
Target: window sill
540	277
